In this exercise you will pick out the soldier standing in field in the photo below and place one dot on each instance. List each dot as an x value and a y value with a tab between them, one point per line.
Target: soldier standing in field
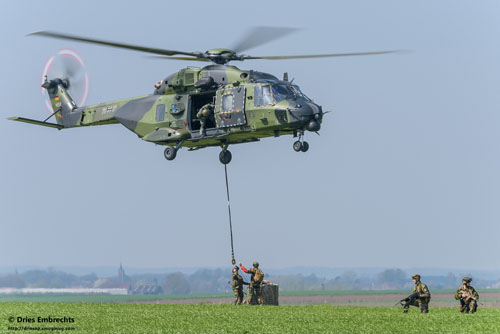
256	278
422	296
468	296
204	114
237	285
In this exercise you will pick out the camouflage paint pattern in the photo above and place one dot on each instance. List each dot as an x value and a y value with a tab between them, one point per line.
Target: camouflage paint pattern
237	284
468	298
424	297
168	116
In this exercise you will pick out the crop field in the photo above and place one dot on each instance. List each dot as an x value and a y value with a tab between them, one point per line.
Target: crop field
225	318
490	298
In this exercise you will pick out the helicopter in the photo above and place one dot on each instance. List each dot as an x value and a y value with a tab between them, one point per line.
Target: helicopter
242	105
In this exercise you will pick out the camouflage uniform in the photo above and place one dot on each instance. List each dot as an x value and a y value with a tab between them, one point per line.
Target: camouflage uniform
468	296
254	290
204	114
237	285
424	296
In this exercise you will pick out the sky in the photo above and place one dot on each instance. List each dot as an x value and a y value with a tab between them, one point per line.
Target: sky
404	173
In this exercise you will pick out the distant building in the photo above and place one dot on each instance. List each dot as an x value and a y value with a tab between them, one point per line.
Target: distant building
121	281
145	289
122	277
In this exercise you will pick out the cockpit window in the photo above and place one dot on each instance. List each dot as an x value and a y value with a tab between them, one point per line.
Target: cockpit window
296	90
262	95
281	92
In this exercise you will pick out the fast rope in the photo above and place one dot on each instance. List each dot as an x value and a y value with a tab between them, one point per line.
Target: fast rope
233	261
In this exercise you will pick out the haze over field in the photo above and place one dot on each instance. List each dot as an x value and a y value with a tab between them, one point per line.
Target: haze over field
215	280
404	174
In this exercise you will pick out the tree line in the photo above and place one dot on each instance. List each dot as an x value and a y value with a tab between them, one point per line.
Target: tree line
216	280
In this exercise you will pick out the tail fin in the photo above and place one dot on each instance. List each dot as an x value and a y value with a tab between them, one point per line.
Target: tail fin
61	102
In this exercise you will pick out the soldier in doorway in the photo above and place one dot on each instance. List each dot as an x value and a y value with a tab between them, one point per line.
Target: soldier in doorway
205	114
256	278
420	296
467	296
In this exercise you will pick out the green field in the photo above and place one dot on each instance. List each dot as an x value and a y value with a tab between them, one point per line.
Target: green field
224	318
136	298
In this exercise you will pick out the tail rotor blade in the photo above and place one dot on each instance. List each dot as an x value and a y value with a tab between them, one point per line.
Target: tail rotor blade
72	70
67	64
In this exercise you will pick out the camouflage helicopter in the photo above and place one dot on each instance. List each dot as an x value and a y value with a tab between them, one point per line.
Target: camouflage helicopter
217	105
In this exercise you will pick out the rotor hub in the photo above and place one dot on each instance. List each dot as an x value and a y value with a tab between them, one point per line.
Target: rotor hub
220	56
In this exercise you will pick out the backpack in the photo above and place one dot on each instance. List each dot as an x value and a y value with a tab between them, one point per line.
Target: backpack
259	276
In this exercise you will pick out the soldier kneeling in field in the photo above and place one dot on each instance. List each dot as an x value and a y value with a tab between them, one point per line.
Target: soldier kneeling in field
420	296
468	296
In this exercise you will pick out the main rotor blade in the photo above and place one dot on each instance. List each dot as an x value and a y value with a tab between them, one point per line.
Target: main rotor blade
324	55
261	35
112	44
180	58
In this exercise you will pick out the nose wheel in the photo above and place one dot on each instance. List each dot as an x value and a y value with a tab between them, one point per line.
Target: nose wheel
301	145
305	146
297	146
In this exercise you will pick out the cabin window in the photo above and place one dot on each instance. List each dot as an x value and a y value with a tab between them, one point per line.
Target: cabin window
227	103
189	78
262	95
160	112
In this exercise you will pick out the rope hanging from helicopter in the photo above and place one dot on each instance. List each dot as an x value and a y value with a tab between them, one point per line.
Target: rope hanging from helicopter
233	261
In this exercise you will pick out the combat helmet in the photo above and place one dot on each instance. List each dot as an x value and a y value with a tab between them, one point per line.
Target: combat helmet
416	276
205	112
256	264
466	280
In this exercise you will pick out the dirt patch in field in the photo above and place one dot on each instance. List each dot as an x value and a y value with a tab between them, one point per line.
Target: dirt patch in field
489	299
441	300
185	301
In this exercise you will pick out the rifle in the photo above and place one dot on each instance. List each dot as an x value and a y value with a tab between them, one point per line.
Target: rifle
412	297
231	284
467	297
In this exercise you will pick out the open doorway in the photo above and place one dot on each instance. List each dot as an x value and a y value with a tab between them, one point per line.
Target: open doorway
198	101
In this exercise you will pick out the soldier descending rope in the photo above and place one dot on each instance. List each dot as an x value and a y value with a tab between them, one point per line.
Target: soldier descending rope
237	285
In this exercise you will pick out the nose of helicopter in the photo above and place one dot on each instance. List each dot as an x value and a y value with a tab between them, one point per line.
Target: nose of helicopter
310	114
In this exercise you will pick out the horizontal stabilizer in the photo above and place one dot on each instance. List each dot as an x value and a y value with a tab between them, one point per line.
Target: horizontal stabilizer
32	121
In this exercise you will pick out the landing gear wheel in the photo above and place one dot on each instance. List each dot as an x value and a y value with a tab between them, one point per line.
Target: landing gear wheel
297	146
305	146
225	157
170	153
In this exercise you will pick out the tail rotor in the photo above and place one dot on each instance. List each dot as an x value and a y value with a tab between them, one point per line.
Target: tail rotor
68	66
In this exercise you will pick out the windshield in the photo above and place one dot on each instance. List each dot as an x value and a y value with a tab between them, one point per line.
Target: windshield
296	90
281	92
262	94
